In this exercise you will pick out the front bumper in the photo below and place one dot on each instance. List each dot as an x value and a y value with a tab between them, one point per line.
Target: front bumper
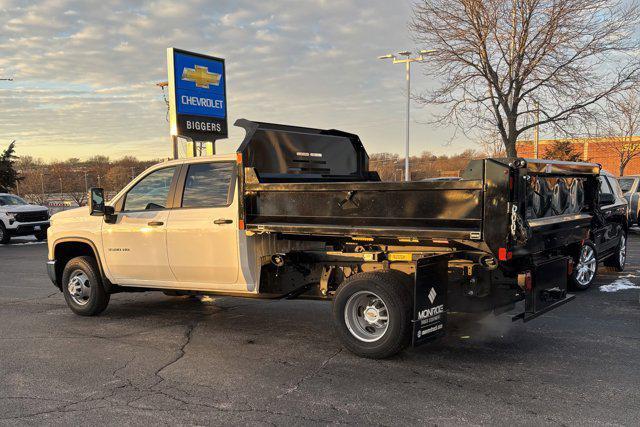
27	228
51	272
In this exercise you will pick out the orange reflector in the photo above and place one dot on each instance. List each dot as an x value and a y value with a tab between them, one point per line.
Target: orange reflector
239	158
570	266
241	224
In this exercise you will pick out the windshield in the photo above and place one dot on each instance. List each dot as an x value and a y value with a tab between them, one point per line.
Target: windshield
10	200
626	184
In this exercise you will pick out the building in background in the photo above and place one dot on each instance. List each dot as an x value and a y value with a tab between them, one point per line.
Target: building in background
609	152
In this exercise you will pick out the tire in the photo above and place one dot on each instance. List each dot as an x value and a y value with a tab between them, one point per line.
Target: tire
4	235
89	298
40	236
619	258
382	292
585	268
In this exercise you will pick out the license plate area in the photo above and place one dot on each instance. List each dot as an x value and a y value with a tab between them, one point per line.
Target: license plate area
548	288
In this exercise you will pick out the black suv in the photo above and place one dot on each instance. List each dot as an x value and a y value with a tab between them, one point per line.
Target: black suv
608	240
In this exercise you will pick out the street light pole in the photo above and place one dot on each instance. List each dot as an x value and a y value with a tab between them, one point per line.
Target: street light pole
407	175
407	61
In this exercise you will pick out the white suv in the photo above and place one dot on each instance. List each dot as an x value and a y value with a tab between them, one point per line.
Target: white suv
19	218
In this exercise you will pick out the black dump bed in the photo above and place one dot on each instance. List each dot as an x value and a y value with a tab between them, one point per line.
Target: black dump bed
312	182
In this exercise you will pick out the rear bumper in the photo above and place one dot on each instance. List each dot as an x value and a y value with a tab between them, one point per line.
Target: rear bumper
525	317
51	272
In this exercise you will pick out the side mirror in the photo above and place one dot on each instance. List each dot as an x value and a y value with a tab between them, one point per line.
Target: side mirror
607	199
97	206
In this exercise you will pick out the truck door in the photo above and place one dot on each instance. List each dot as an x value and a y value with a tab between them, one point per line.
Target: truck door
606	228
135	243
202	232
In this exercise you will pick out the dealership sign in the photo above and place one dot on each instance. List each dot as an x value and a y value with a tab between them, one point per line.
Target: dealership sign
197	95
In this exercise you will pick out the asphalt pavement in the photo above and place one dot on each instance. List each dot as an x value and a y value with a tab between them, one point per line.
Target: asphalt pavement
153	359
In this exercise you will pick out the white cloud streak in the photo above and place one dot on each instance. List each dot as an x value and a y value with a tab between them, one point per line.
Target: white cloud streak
85	70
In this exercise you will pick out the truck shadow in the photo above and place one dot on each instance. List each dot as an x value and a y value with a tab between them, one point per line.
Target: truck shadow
308	324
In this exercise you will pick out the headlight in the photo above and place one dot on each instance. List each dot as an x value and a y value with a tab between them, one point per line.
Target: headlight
11	216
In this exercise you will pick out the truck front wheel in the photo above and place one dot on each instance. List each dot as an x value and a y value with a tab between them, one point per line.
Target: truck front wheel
4	234
82	287
372	314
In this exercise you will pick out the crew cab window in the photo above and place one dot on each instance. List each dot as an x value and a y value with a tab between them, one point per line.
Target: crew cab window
208	185
151	192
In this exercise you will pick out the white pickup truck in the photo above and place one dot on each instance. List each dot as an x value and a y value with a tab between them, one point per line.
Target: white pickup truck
296	213
19	218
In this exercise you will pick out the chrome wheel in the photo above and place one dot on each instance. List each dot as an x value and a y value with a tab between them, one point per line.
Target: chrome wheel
586	266
366	316
79	287
622	253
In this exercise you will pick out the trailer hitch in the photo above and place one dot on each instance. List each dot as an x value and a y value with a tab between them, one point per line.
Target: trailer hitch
349	199
553	294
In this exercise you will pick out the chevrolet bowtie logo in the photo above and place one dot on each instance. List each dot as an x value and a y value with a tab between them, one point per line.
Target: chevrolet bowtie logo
201	76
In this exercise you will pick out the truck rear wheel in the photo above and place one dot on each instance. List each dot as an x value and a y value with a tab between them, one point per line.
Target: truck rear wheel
372	314
82	287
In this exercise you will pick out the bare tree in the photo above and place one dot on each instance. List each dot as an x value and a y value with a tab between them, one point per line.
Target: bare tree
503	61
491	144
621	122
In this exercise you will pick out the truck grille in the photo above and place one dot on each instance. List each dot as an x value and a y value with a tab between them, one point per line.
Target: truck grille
32	216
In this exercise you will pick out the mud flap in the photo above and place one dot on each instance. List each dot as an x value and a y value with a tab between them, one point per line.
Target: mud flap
548	289
430	298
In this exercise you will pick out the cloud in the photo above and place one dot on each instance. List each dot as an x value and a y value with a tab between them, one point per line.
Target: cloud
85	71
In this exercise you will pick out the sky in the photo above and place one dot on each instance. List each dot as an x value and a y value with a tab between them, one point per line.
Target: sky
85	72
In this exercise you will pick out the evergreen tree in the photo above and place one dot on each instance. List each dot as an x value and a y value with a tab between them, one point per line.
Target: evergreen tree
562	150
8	174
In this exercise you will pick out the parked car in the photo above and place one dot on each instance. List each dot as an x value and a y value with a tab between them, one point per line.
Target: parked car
19	218
630	186
608	238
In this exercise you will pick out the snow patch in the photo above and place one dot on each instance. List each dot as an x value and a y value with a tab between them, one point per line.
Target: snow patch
621	284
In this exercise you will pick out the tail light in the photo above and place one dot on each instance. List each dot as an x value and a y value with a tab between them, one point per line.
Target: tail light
504	255
525	281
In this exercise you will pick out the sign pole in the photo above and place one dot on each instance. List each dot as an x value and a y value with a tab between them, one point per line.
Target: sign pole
174	144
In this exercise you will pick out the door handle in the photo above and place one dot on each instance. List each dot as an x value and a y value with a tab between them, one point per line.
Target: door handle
155	223
222	221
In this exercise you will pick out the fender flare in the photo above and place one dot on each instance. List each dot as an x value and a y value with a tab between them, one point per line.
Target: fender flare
71	239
